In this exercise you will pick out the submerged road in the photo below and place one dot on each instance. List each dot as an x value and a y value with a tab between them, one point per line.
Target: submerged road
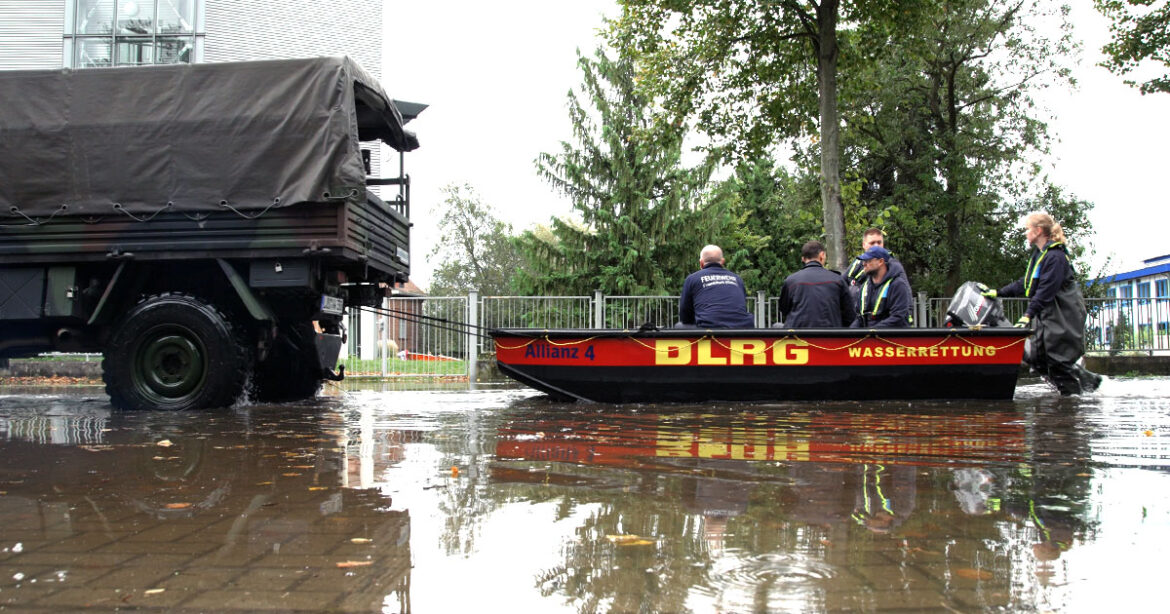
451	499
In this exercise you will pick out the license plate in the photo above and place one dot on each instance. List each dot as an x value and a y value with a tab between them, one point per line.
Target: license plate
331	304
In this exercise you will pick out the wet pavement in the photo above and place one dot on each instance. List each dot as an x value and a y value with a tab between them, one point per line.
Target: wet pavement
454	500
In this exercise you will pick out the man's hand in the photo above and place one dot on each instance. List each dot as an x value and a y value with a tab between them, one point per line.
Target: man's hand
988	292
1024	322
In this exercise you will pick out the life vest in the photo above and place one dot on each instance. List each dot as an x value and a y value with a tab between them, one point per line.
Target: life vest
1033	272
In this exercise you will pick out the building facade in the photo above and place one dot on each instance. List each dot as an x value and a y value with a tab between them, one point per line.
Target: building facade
84	34
1136	310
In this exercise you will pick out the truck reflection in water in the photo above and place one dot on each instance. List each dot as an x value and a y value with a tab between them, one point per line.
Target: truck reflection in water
809	510
194	511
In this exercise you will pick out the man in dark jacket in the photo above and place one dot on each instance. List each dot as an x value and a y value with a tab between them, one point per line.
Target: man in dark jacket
713	297
815	296
855	274
886	300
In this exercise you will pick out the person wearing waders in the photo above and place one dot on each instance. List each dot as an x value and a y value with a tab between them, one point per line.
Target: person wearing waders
1056	309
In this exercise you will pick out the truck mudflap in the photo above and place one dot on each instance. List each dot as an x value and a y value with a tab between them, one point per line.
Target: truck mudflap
328	350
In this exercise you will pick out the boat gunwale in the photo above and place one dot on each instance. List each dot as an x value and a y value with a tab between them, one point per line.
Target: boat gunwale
734	333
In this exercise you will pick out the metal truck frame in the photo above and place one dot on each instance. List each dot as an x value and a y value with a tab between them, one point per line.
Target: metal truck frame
203	226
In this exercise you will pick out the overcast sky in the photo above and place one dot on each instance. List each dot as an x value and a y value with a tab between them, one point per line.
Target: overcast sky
496	77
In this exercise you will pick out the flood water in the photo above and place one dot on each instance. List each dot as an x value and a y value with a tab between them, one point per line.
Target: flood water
456	500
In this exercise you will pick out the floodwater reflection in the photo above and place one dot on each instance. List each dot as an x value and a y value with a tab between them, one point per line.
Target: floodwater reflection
470	500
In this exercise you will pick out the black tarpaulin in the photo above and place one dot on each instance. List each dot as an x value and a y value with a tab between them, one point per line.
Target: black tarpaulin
189	138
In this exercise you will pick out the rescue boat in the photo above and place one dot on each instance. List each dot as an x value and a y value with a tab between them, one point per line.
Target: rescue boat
684	365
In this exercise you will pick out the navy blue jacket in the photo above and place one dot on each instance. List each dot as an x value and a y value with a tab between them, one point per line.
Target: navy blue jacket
815	297
714	298
1046	279
888	304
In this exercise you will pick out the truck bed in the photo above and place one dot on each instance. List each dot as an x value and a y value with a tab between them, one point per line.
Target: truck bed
348	231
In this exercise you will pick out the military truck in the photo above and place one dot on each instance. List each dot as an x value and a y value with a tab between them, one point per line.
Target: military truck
202	226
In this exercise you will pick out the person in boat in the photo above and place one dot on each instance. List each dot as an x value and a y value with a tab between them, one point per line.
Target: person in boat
1056	308
855	275
713	297
816	297
885	300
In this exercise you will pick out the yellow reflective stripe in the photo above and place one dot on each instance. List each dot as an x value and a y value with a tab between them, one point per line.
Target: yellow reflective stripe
1034	269
882	295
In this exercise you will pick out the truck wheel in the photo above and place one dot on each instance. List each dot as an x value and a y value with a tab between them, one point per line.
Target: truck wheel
292	371
174	352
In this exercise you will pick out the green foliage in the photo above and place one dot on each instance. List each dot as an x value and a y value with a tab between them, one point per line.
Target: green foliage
1141	38
637	227
752	74
478	252
773	216
940	132
1122	331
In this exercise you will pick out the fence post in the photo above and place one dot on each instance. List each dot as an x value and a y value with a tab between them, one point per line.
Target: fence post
472	336
598	309
921	310
384	319
761	310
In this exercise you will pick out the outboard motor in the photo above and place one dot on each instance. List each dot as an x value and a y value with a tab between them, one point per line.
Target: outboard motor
970	308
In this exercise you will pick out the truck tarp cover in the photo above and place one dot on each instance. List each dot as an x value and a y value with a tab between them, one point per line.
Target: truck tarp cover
188	138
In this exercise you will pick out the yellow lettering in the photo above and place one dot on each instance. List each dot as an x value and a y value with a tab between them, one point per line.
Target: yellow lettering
868	353
934	352
749	348
672	352
990	351
790	352
705	357
967	351
979	351
901	352
854	352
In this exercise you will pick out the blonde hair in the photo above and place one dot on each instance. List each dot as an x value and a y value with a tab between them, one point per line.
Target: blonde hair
1046	224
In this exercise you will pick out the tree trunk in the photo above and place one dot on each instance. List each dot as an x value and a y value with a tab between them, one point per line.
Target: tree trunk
834	212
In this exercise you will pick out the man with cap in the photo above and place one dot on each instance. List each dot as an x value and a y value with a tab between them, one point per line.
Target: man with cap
886	300
815	297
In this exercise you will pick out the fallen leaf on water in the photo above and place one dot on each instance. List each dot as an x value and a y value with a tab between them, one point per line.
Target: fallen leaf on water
264	483
166	443
1149	433
348	564
361	540
302	466
290	475
974	574
825	542
153	591
178	506
629	540
318	488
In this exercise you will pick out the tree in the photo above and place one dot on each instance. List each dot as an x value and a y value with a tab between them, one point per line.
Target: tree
944	150
478	252
638	229
1141	36
773	215
748	70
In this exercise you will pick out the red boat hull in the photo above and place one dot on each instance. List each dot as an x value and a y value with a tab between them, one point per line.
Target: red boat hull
766	364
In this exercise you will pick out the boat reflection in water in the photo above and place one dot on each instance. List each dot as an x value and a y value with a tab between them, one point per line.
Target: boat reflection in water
817	510
201	511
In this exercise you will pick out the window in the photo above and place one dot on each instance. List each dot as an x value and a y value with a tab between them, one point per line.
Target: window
1143	290
101	33
1161	288
1127	291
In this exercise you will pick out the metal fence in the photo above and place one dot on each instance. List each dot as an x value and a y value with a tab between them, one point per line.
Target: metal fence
440	336
438	344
